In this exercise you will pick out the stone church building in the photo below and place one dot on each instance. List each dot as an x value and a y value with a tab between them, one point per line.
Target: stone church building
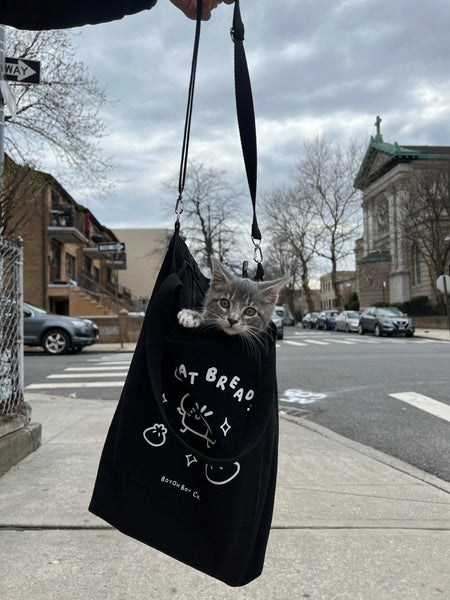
390	267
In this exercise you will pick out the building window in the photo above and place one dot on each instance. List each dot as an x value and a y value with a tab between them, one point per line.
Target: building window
54	259
70	266
417	257
96	274
109	277
87	265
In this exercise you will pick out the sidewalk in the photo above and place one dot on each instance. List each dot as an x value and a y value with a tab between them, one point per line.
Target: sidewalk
350	523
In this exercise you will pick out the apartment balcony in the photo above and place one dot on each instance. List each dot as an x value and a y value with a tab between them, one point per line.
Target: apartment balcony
92	252
67	225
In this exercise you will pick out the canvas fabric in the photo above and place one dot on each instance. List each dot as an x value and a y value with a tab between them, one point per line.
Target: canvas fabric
189	464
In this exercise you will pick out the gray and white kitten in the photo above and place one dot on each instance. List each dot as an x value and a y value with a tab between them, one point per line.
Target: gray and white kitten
235	305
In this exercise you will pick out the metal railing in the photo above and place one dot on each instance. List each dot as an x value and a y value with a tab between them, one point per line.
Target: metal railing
11	328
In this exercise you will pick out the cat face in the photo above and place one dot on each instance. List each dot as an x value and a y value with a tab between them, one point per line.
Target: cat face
240	306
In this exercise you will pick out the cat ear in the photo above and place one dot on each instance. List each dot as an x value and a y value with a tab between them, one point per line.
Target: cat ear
219	274
271	289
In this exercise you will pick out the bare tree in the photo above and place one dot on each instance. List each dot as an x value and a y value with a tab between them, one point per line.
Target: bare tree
212	214
62	114
324	175
20	198
295	237
427	219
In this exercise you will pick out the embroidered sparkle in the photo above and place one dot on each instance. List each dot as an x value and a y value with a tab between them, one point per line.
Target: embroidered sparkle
190	459
225	427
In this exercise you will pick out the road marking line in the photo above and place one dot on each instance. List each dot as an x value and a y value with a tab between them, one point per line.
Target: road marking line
114	362
294	343
438	409
338	341
365	341
80	384
310	341
81	375
94	368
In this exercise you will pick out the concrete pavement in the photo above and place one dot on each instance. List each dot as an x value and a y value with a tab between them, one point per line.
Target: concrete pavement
349	523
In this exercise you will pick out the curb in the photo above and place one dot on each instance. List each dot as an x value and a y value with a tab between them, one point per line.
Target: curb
17	443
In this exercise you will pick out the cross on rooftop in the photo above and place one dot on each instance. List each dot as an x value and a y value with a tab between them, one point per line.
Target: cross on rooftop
377	124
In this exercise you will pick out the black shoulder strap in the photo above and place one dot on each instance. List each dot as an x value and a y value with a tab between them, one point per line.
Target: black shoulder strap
246	122
245	111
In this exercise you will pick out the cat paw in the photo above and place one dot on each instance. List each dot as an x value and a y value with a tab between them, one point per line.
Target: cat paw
189	318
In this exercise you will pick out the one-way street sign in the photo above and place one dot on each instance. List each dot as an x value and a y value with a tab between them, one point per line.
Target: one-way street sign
111	247
22	70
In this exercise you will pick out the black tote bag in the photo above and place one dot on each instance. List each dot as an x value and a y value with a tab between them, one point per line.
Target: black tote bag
189	464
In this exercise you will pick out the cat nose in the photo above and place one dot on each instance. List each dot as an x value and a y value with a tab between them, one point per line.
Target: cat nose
232	321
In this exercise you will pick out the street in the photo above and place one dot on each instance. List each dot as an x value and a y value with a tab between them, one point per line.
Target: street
388	393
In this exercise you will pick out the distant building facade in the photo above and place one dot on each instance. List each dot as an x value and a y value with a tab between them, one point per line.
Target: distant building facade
145	252
347	286
390	267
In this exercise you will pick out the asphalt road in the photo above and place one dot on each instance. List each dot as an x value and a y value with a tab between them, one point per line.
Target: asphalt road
344	382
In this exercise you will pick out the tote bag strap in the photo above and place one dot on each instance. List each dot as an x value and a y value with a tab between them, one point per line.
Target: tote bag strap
160	317
246	122
245	114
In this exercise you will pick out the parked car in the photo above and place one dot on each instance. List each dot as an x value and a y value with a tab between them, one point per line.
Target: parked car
279	324
347	320
326	319
387	320
288	319
57	334
309	320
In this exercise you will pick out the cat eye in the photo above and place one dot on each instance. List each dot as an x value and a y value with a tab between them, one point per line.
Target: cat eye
250	311
224	303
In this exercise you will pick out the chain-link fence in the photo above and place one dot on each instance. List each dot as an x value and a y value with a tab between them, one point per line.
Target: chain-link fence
11	328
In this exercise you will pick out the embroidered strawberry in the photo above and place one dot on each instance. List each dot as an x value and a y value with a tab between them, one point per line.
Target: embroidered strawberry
155	435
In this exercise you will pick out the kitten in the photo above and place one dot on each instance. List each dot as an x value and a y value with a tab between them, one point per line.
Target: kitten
235	305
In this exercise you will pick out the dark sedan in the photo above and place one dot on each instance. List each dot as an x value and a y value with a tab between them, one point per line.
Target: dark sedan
309	320
388	320
326	319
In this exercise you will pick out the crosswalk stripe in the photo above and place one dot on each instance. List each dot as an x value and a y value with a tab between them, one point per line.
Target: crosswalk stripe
74	384
338	341
114	362
72	369
292	343
317	342
438	409
81	375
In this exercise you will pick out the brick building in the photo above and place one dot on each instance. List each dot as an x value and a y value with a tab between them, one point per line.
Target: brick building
347	286
390	264
63	270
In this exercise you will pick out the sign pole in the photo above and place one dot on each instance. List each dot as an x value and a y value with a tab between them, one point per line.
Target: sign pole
116	293
2	122
447	299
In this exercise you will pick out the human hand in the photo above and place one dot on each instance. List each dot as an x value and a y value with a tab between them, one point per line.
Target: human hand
189	7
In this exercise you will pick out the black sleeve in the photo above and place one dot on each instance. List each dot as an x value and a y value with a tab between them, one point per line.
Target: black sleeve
61	14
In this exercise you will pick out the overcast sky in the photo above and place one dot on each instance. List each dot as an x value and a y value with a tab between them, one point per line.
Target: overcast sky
317	67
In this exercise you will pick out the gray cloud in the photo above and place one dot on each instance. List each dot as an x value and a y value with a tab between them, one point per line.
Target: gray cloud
317	66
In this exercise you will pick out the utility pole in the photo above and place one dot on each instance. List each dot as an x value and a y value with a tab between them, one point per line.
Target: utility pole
2	121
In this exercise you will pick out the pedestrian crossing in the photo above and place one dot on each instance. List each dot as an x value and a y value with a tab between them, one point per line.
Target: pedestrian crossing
101	372
303	339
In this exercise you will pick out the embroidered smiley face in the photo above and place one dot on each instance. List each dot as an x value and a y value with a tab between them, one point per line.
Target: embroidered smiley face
222	475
